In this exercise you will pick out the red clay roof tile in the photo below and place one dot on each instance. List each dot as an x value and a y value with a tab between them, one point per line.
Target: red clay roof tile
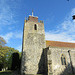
59	44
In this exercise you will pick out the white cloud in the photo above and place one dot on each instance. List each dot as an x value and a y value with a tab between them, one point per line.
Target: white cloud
59	37
18	35
6	14
19	48
65	32
8	36
12	35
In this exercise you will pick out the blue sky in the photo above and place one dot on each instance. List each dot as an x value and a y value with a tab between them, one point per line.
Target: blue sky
56	14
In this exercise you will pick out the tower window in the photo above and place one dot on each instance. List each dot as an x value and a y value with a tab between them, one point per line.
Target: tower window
63	60
35	27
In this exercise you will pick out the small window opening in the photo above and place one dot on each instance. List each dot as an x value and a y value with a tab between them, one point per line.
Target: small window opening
35	27
63	60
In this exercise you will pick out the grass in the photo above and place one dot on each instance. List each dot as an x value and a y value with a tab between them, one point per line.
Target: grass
8	72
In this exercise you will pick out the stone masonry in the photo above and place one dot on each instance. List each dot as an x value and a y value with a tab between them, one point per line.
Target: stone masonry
33	44
40	57
54	63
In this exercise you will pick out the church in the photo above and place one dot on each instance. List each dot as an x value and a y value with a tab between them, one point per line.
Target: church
44	57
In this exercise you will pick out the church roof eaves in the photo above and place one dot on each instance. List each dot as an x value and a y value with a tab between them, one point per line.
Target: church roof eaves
59	44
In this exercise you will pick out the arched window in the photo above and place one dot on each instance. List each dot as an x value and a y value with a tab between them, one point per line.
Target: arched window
35	27
63	60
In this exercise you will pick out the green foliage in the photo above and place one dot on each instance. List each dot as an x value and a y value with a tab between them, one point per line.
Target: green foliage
15	61
6	54
2	41
9	56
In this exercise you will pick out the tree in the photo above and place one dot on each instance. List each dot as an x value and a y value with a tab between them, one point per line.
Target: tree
2	41
6	54
2	52
9	56
15	61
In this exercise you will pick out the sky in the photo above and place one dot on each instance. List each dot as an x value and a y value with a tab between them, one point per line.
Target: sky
56	14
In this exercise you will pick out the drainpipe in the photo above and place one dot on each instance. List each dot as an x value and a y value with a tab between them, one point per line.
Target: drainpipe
71	61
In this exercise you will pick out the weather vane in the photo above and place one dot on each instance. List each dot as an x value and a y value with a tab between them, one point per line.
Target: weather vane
32	12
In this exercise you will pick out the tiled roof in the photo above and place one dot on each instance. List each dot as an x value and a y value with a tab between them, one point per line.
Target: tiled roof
59	44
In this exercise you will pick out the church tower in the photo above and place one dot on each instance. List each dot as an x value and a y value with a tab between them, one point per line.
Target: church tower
33	45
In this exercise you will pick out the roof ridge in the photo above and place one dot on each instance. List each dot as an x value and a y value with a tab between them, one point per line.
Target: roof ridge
59	44
59	41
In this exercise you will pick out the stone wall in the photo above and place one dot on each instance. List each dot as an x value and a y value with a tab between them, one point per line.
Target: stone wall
37	59
54	57
33	44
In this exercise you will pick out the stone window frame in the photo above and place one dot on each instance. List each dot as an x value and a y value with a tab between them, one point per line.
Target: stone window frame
49	67
63	59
